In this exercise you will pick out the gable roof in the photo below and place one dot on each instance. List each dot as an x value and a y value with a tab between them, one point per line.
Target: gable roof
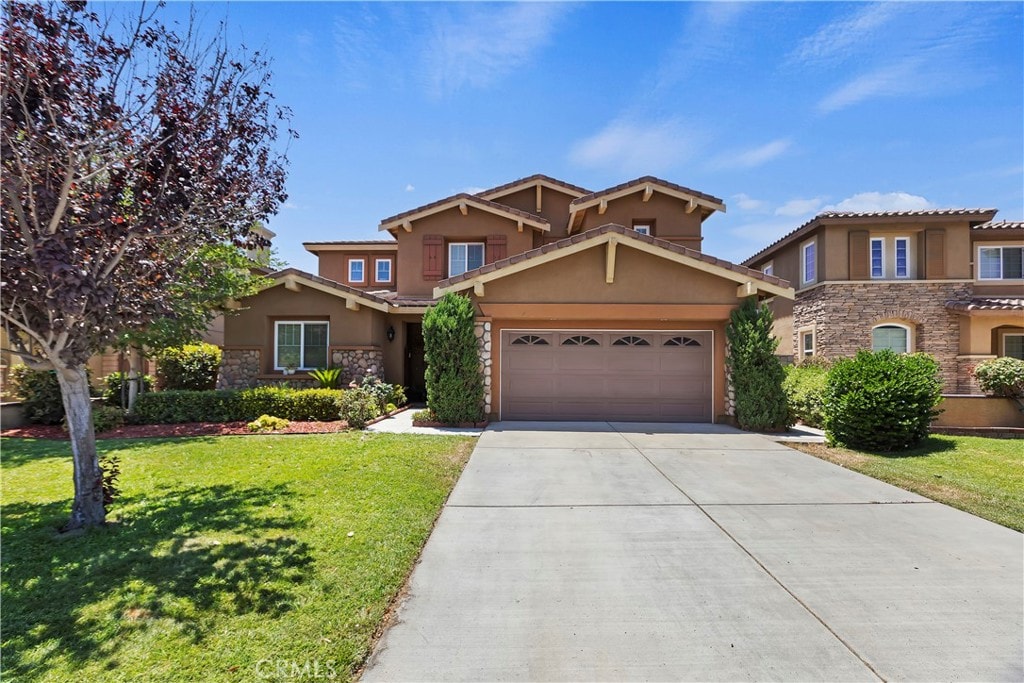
605	233
351	245
293	278
827	217
999	225
647	184
463	201
530	181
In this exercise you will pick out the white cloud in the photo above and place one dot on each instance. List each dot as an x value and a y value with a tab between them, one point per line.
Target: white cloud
290	205
882	201
903	78
753	157
475	45
637	147
410	188
800	207
472	189
747	203
838	39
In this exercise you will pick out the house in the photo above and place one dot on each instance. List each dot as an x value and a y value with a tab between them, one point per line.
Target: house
590	305
944	282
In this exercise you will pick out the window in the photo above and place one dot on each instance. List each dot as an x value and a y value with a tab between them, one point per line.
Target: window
300	345
355	270
809	263
383	266
530	340
1013	345
768	268
893	337
644	227
681	341
631	340
807	344
581	340
464	256
902	257
877	257
1000	263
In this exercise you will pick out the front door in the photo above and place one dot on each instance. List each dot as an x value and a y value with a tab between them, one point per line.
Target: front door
415	364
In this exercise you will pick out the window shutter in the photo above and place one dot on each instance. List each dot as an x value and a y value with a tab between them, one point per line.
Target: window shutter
859	254
935	254
497	248
433	257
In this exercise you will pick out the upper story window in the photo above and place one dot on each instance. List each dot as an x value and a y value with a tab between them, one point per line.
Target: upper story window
644	227
300	345
808	263
893	337
1000	263
877	257
885	266
383	267
902	257
356	268
768	268
463	256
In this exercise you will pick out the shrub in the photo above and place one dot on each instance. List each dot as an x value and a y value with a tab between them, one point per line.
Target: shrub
756	372
358	407
116	384
1001	377
40	394
455	385
110	466
805	389
267	423
315	405
172	407
264	401
192	367
881	401
383	393
327	378
106	418
426	415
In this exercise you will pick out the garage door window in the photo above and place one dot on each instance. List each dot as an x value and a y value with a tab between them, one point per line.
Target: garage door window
580	340
530	340
631	341
682	341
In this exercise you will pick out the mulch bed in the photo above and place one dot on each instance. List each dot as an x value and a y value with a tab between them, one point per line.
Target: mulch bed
186	429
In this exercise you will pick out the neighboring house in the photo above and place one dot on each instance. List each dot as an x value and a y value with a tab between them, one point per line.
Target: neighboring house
590	305
944	282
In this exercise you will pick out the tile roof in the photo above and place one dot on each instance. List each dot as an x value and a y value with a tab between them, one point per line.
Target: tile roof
840	215
463	196
529	179
1000	225
328	283
332	242
643	181
622	230
987	304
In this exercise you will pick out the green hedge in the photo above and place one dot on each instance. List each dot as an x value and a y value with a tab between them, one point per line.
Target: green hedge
805	391
1001	377
299	405
192	367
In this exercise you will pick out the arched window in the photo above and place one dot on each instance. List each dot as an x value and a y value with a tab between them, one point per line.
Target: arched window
631	340
581	340
681	341
891	336
530	340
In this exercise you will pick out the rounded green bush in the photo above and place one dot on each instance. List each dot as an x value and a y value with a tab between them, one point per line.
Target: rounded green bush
805	391
1001	377
192	367
881	401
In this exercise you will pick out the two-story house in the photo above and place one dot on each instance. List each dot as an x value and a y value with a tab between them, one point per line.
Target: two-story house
944	282
590	305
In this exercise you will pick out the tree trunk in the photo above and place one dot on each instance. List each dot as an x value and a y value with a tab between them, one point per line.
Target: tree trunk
134	376
87	509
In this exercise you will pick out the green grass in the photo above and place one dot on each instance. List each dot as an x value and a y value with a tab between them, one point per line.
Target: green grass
982	476
223	552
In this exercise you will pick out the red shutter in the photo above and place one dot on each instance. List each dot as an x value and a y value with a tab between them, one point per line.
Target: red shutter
859	255
497	248
433	257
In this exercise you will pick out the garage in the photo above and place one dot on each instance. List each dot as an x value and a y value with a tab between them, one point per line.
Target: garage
628	375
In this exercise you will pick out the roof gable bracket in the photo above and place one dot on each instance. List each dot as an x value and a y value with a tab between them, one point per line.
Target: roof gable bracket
746	289
292	285
602	207
538	197
463	208
407	226
609	262
648	193
351	304
691	206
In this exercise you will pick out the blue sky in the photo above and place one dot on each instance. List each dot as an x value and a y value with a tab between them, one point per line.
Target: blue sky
781	109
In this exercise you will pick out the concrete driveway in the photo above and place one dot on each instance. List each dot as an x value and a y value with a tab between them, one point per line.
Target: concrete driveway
625	552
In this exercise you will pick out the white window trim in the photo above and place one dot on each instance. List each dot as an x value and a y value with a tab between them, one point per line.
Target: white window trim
871	260
800	335
360	261
302	339
909	330
646	228
376	269
977	262
768	268
1003	340
895	252
813	244
482	245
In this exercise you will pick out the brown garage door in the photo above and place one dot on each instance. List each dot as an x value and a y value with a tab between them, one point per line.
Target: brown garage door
662	376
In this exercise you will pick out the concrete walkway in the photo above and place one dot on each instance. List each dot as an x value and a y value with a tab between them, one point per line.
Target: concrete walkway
639	552
402	424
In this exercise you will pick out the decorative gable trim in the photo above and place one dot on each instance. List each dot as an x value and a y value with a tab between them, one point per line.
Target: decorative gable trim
647	186
463	202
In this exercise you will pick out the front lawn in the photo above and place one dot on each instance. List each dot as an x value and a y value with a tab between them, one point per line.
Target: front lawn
229	559
982	476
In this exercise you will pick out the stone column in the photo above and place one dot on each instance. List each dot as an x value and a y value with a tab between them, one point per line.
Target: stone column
482	330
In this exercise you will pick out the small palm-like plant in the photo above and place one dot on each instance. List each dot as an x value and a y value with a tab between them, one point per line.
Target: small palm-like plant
327	378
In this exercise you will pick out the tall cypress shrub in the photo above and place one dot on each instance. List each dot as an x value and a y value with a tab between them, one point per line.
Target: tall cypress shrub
455	385
757	375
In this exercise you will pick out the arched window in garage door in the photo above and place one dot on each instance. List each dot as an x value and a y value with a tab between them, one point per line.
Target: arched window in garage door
530	340
631	340
682	341
580	340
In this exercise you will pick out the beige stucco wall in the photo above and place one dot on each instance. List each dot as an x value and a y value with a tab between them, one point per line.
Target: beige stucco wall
671	222
333	265
639	278
554	208
981	334
454	227
978	411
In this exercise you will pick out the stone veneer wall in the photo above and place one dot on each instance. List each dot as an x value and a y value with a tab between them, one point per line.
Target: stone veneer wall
357	362
843	314
239	368
482	330
966	382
